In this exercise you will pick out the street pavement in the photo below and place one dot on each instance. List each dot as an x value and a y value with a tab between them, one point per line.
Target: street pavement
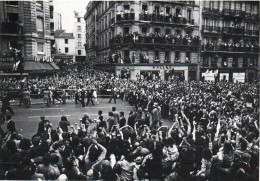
27	119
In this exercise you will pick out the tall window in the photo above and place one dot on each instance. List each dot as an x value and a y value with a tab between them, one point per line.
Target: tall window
79	52
66	41
167	56
144	30
144	7
177	56
156	58
39	4
40	47
188	14
126	30
79	44
78	19
79	35
215	4
168	10
226	5
66	49
79	28
157	9
39	24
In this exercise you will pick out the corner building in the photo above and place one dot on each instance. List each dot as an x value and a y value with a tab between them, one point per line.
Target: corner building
230	39
148	39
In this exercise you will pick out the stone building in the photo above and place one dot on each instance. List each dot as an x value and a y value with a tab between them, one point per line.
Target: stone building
155	39
230	39
80	36
25	26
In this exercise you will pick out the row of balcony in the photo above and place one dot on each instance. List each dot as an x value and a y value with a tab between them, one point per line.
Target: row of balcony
156	18
230	12
9	27
127	60
224	63
229	30
152	40
166	19
230	48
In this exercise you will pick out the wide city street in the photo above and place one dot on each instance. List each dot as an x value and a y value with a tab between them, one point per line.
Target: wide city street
27	119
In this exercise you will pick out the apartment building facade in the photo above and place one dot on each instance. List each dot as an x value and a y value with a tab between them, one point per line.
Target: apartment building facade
25	27
155	39
230	39
80	36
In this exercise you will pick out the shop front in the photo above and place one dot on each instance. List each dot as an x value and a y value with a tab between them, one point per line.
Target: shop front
153	72
229	74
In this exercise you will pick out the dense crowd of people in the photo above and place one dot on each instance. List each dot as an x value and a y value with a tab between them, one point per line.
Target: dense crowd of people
214	134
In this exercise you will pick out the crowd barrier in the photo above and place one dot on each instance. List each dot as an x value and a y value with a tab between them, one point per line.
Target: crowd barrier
70	93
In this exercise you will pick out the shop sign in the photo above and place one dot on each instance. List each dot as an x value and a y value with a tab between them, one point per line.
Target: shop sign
163	67
43	59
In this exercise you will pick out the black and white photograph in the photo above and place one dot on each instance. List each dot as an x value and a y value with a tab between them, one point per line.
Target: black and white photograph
129	90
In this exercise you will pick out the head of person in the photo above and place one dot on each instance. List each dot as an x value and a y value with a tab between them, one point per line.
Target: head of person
227	147
207	154
122	114
113	109
110	114
25	144
100	112
64	118
42	118
11	126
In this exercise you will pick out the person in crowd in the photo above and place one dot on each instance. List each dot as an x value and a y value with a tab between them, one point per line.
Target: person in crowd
77	96
116	115
90	96
64	124
95	96
82	97
6	104
122	120
113	95
55	95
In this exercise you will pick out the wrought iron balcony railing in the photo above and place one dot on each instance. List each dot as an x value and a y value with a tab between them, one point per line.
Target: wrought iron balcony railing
157	18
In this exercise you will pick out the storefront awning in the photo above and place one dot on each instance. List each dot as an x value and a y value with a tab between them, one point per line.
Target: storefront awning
47	67
54	66
6	65
33	66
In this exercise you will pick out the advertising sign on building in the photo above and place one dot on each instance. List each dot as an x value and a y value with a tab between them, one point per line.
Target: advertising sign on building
239	76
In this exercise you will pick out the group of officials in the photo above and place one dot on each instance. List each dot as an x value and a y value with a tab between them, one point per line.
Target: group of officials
89	93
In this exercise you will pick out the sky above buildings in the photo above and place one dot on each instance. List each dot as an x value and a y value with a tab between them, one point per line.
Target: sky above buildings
66	8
